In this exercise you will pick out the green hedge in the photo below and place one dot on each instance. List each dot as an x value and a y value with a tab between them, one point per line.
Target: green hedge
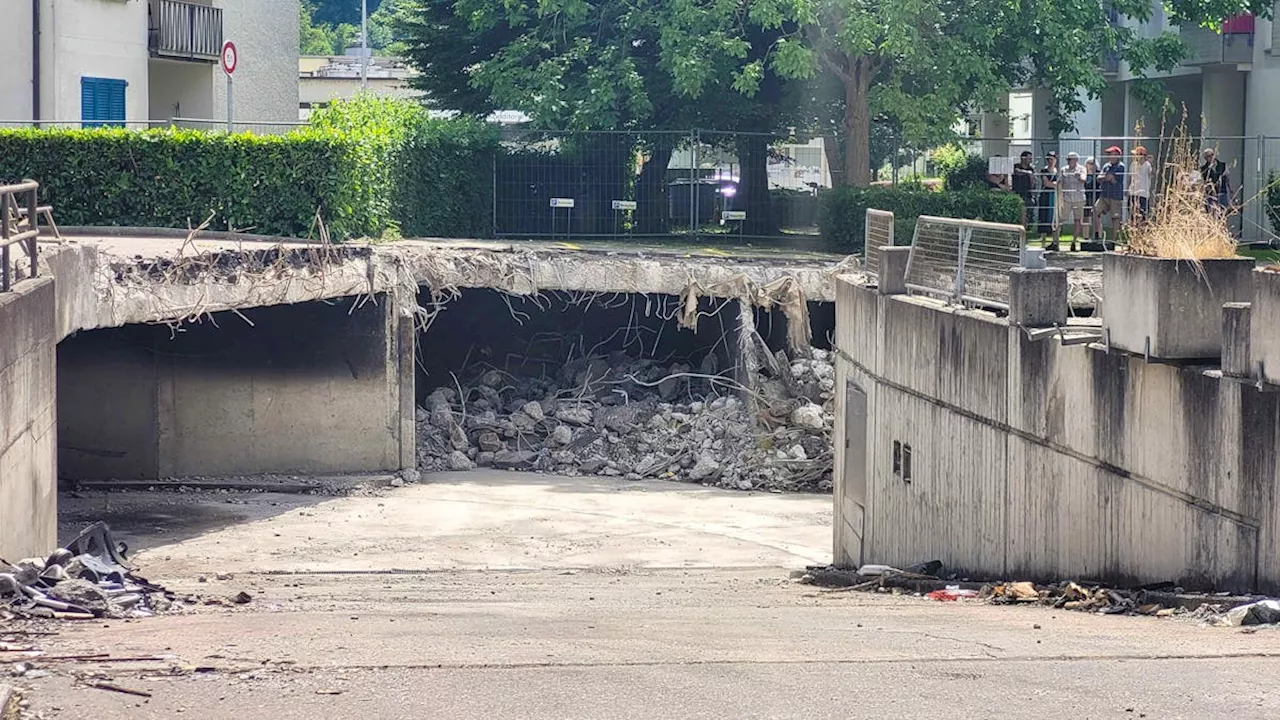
428	177
177	178
843	211
372	167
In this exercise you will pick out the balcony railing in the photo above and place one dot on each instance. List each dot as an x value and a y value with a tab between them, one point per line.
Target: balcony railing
1232	46
185	30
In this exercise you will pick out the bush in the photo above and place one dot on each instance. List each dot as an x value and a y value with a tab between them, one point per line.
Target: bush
843	211
959	169
370	167
425	176
178	178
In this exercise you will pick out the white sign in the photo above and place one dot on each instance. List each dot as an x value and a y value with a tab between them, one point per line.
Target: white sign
733	215
1000	166
562	202
229	57
624	204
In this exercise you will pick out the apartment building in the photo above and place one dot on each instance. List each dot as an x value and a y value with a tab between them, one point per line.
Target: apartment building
127	61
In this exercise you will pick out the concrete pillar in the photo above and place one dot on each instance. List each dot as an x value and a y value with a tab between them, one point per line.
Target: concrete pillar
1042	105
405	355
1236	322
893	270
995	130
1038	298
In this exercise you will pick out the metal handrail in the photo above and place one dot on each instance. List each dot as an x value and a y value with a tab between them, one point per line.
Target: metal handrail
8	226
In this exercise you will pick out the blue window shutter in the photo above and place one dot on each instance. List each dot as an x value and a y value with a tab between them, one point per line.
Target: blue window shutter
102	101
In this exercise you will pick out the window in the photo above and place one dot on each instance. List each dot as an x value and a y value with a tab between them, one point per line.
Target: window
102	101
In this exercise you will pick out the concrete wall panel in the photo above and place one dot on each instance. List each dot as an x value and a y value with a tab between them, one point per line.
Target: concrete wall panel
28	432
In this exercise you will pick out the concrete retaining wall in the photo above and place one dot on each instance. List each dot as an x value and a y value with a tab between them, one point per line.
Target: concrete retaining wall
28	435
1031	459
313	387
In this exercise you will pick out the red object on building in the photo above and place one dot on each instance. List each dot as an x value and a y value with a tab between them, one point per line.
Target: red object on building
1238	25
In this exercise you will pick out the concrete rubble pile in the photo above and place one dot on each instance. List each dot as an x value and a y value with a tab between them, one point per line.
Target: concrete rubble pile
622	417
87	579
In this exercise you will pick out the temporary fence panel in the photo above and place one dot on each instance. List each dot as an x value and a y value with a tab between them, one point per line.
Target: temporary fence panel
964	261
878	232
680	185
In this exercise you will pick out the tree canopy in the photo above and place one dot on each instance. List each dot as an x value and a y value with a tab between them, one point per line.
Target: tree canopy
835	66
329	28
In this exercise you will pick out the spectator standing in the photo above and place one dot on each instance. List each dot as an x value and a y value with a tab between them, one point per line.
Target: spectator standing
1111	185
1024	182
1140	186
1047	202
1071	199
1213	173
1090	192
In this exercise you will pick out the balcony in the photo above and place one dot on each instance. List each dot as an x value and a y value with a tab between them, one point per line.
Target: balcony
1232	46
185	30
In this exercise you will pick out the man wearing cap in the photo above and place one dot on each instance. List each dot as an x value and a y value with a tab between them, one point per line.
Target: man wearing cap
1140	186
1110	194
1024	179
1213	173
1071	198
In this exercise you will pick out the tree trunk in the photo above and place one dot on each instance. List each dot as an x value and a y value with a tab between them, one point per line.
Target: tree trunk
833	148
857	121
753	186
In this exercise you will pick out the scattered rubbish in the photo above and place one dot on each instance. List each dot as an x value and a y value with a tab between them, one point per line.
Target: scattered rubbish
951	593
1263	612
1161	600
89	578
877	570
241	598
619	416
104	685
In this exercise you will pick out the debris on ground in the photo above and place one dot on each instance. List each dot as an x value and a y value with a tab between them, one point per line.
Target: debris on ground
87	579
618	416
1157	600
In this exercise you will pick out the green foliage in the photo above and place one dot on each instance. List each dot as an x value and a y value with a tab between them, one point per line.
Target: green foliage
372	167
177	178
842	215
428	176
329	28
1273	201
959	169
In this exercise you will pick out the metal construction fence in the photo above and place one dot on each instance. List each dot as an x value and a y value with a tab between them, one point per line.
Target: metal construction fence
964	261
1252	163
878	233
659	184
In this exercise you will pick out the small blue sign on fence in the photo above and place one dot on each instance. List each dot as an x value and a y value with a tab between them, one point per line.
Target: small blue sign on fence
561	202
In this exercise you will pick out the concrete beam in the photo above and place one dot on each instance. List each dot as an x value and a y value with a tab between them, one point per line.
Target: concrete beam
1236	321
1170	309
1038	298
893	270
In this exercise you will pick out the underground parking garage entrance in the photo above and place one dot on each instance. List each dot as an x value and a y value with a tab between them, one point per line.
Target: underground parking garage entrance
628	385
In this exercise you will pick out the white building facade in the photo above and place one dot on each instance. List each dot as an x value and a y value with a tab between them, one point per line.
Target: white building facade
135	61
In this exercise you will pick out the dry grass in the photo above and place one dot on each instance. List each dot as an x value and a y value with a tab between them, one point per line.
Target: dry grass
1182	225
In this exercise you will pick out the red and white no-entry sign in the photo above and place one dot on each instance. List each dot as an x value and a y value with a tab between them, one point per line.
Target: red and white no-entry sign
229	57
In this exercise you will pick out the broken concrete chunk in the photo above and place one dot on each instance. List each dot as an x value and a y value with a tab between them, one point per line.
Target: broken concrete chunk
489	442
705	468
574	415
533	410
459	461
808	416
562	435
514	459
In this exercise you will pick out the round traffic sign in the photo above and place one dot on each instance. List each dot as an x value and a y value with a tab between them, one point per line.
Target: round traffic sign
229	57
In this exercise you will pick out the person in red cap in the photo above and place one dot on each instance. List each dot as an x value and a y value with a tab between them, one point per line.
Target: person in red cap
1110	195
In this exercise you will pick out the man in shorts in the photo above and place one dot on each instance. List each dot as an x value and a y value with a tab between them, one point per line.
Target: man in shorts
1110	195
1071	199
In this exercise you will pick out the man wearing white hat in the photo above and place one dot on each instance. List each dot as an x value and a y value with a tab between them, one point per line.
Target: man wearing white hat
1071	180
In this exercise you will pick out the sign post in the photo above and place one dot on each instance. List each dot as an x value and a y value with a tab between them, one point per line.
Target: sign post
230	58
